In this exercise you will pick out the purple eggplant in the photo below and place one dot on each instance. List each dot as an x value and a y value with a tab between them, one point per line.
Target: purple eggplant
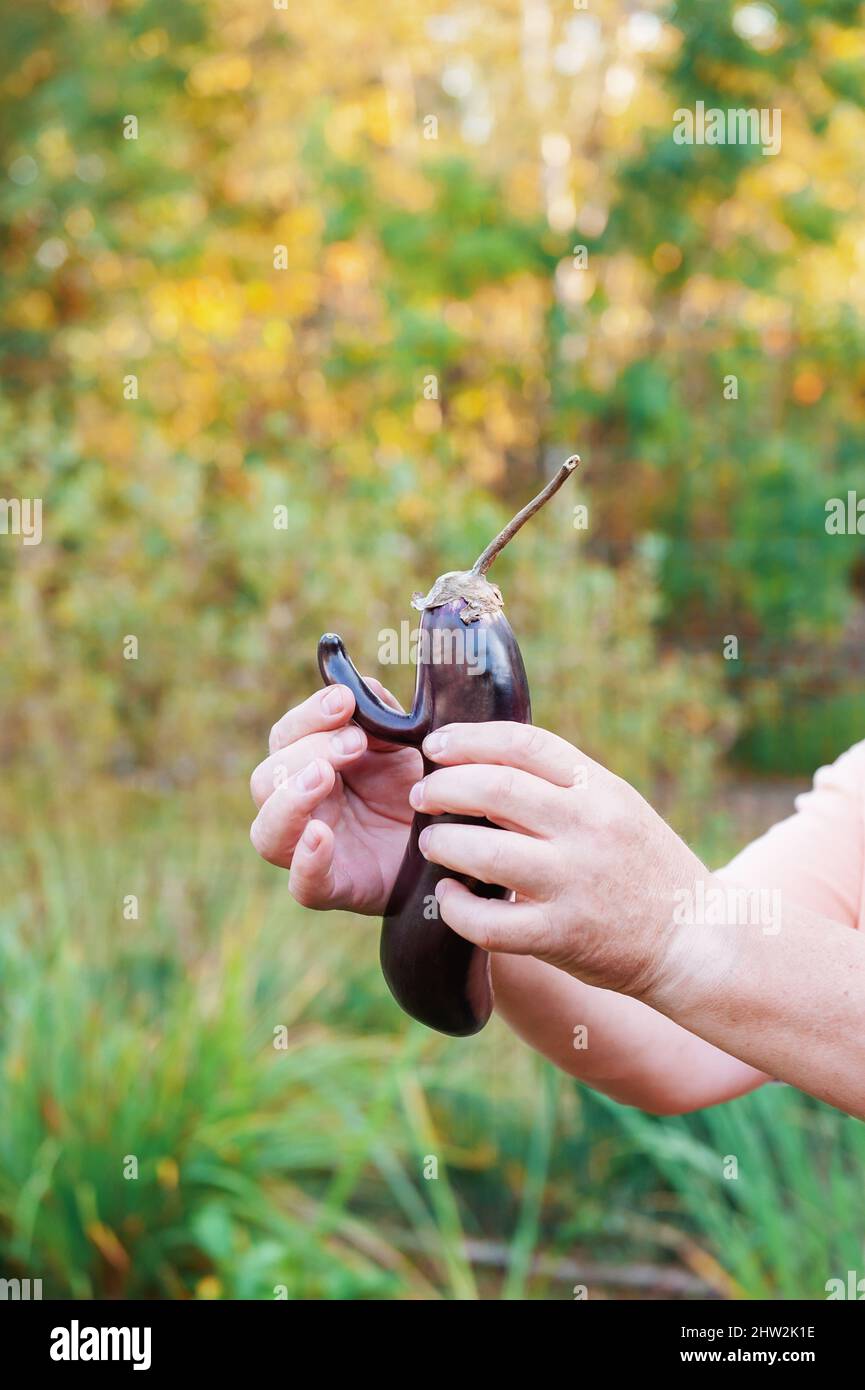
469	670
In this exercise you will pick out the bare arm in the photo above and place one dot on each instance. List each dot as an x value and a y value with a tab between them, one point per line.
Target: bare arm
581	957
791	1002
686	1014
627	1050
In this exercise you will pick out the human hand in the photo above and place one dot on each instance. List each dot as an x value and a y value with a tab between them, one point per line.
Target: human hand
333	804
595	869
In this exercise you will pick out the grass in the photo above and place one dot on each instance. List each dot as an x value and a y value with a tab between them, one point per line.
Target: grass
773	1182
217	1099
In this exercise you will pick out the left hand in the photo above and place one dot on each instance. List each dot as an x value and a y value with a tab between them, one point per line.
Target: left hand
596	871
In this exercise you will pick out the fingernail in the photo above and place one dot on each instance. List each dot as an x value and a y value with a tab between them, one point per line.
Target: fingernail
415	796
435	743
347	741
310	777
332	701
423	840
311	837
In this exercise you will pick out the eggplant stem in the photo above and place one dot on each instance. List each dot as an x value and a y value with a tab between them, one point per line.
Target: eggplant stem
483	562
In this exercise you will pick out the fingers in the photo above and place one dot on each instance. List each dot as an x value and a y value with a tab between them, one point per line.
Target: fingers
512	861
317	728
326	709
279	824
517	928
340	748
510	798
521	746
313	880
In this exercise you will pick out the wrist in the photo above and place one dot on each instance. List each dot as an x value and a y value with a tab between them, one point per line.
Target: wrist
700	949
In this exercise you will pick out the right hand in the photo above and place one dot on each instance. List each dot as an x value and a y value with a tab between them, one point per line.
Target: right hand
343	837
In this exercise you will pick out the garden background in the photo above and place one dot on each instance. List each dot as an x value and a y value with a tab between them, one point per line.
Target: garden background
276	352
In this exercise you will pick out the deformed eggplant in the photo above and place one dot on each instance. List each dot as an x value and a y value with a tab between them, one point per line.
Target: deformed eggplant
469	670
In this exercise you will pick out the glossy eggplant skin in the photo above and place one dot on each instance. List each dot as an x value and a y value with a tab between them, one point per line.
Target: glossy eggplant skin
435	975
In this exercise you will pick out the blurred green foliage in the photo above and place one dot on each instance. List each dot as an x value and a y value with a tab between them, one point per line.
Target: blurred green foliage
428	345
281	1111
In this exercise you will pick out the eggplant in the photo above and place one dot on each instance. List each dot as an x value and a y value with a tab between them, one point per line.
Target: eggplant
469	670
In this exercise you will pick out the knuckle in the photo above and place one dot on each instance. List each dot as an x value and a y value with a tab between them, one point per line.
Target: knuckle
280	776
539	930
302	892
485	935
608	815
266	844
274	741
259	843
485	939
496	858
506	793
258	783
581	776
574	809
530	740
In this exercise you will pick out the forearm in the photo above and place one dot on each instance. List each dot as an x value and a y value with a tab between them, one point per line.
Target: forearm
789	1002
615	1044
603	890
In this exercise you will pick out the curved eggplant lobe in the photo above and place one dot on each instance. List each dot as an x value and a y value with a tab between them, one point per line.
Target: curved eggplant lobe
377	718
470	670
434	974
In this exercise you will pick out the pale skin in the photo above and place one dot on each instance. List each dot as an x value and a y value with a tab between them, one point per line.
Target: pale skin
678	1016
